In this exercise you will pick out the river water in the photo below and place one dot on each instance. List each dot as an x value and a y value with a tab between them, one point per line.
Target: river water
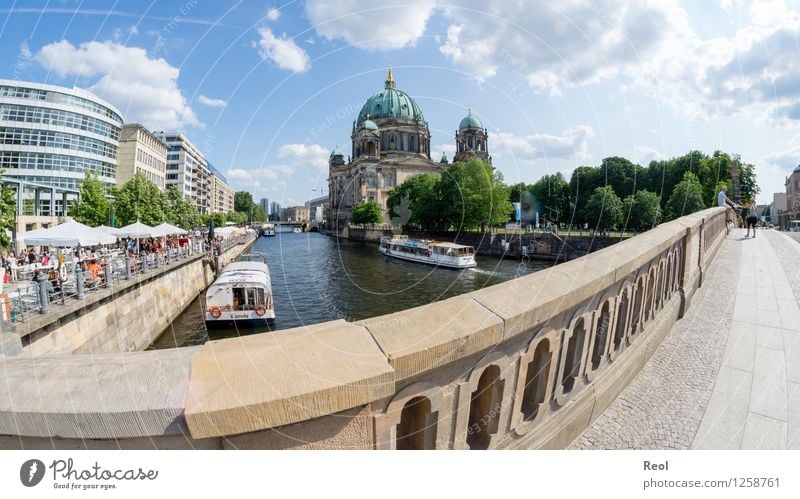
318	278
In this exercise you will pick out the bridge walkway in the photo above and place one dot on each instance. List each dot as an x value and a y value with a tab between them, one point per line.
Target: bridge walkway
728	374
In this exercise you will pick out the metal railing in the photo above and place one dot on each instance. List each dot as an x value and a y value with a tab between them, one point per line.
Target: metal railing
38	296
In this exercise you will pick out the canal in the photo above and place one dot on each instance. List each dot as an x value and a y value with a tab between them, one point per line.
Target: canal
317	278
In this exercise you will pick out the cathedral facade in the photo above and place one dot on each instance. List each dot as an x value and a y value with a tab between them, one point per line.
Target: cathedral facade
391	142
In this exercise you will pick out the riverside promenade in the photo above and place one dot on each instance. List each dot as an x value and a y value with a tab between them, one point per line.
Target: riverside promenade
728	375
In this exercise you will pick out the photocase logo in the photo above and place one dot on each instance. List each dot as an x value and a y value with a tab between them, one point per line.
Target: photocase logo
31	472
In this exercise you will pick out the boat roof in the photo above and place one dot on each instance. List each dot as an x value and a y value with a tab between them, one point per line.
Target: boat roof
244	276
246	266
450	245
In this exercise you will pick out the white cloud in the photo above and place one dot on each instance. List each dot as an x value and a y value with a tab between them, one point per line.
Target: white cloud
208	101
644	155
378	25
253	174
448	149
313	156
283	51
273	14
476	56
572	144
144	89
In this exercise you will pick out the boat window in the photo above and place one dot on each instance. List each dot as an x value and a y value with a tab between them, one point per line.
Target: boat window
251	297
238	298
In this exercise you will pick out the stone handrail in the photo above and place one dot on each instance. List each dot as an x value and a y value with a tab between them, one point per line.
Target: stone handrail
528	363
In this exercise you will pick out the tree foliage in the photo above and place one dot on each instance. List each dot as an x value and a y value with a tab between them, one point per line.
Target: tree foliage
687	197
93	209
181	211
466	196
139	199
368	212
242	202
603	209
8	208
642	210
218	217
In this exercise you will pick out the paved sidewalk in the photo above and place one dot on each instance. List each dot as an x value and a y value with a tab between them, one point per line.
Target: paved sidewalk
728	374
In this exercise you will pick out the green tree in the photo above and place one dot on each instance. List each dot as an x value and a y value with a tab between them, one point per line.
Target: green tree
420	195
94	207
473	195
604	209
642	210
687	197
238	218
368	212
181	211
139	199
552	199
218	217
243	202
8	208
748	186
582	183
258	214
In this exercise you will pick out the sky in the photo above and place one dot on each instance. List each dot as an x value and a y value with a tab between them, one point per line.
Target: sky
266	90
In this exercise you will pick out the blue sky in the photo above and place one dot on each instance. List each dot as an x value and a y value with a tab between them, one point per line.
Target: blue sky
266	89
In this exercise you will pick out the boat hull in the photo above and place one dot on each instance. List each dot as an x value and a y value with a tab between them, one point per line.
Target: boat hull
240	319
462	264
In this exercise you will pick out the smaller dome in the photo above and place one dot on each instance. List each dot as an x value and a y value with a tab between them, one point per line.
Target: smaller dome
797	169
337	152
368	124
470	121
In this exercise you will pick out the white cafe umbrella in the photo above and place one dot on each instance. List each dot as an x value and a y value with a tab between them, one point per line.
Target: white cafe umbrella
137	230
166	229
70	233
108	230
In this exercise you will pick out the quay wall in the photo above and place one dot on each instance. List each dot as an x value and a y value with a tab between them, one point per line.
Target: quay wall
127	317
528	363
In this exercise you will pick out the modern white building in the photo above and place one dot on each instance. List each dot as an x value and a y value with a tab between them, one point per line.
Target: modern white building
187	169
221	193
50	137
140	151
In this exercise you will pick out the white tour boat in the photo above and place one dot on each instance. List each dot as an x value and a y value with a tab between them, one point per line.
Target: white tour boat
442	254
241	295
268	230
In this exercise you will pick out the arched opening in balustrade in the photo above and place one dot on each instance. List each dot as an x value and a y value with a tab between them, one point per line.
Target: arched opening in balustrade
659	302
668	281
622	318
417	427
484	409
600	335
638	299
650	295
572	361
536	381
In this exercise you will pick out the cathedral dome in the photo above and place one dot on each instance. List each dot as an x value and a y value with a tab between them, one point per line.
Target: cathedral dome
470	121
390	103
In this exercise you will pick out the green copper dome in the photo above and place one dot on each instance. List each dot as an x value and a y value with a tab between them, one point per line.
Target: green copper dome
390	103
368	124
337	152
470	121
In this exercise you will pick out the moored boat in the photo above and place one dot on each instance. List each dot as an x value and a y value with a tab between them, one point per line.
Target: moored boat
442	254
268	230
241	295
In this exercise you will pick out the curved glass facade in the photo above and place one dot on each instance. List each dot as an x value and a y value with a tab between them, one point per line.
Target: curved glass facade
51	136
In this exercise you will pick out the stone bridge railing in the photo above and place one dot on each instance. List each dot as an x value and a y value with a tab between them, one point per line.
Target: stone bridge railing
524	364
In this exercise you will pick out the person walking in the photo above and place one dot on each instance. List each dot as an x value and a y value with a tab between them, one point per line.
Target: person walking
752	217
